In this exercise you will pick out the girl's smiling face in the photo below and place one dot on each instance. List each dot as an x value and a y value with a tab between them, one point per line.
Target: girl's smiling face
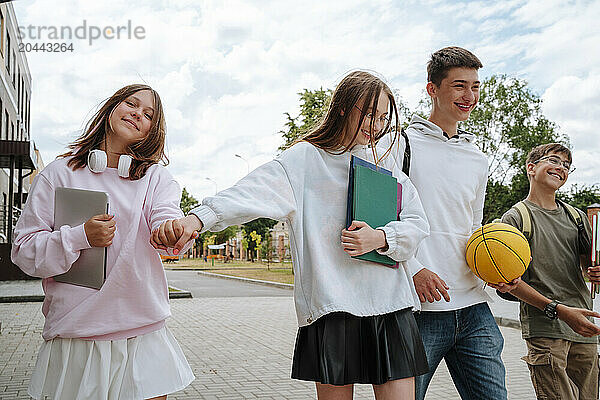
373	122
131	120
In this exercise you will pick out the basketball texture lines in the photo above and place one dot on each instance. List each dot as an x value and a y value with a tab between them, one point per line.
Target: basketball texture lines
498	253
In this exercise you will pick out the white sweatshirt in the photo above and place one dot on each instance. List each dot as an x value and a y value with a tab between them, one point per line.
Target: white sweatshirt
307	187
451	177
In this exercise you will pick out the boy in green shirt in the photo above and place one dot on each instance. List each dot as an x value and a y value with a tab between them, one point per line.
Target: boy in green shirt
562	347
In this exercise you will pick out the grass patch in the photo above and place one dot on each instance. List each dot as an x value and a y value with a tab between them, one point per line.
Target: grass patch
275	272
172	289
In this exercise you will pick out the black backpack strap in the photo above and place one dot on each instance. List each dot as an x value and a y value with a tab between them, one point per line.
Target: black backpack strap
406	161
584	242
573	214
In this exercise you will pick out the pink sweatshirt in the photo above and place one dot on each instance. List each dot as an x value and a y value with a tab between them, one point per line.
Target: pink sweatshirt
134	300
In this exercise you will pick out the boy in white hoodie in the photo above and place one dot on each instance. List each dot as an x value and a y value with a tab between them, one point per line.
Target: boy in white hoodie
450	174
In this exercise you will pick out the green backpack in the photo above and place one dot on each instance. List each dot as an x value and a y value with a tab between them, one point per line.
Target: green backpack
584	241
525	213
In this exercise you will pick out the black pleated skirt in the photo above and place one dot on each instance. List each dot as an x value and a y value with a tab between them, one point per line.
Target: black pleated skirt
340	349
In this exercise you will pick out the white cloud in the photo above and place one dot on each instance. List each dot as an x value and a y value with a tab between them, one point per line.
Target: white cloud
228	71
574	103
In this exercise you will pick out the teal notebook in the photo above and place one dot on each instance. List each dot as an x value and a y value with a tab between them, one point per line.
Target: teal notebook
374	201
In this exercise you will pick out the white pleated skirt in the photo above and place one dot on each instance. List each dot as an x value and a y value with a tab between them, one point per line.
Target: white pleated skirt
142	367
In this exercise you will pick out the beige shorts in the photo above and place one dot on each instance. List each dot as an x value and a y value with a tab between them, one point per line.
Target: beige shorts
563	370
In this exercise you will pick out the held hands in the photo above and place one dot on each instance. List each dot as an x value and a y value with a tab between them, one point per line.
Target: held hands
360	238
430	287
176	233
100	230
576	318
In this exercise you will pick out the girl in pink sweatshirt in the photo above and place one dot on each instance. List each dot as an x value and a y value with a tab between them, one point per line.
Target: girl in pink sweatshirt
110	343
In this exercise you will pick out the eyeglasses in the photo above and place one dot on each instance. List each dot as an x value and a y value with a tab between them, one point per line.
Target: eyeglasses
383	120
557	162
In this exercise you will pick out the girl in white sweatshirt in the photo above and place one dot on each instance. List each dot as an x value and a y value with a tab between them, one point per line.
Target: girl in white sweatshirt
110	343
355	317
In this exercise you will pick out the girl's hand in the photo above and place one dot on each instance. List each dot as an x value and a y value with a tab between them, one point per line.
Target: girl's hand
100	230
175	233
360	238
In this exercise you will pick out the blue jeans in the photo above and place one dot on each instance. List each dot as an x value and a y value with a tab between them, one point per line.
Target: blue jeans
471	344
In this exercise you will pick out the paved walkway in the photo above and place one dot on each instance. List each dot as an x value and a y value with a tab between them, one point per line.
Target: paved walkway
239	348
239	345
239	342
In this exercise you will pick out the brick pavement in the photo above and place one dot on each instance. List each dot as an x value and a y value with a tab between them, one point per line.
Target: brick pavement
239	348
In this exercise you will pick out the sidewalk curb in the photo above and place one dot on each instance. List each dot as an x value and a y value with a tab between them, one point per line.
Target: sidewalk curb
180	294
22	299
501	321
248	280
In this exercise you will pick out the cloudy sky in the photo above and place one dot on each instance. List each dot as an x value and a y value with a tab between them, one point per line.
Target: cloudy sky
228	71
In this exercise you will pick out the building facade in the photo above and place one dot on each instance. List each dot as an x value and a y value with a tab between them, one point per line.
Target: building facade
18	157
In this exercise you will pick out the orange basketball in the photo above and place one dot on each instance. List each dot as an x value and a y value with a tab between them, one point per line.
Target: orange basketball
498	253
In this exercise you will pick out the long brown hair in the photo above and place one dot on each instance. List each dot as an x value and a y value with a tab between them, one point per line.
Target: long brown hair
146	152
333	134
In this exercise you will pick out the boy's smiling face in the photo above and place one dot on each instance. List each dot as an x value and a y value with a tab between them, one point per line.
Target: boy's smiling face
549	171
457	94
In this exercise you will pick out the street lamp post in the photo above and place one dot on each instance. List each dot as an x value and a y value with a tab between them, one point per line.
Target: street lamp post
247	163
208	179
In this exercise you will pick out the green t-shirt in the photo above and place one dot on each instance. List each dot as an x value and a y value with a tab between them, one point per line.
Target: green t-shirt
555	270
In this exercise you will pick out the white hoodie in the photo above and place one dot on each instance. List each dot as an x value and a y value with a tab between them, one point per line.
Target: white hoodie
307	187
451	177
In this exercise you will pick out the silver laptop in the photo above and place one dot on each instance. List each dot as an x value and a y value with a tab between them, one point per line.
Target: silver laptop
74	207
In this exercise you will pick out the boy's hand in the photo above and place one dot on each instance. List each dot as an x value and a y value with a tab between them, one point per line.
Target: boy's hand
100	230
506	287
593	273
430	287
360	238
576	318
176	233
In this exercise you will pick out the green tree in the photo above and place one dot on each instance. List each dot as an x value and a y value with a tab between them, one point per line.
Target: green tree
313	106
508	122
581	196
225	234
188	202
266	249
258	227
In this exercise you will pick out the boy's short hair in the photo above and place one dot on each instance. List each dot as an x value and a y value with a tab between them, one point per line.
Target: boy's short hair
544	149
450	57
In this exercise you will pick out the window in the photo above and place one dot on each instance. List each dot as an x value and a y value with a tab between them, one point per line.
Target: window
22	102
28	116
1	33
6	124
14	63
18	87
7	58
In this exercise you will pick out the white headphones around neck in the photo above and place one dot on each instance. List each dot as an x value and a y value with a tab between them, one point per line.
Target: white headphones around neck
97	161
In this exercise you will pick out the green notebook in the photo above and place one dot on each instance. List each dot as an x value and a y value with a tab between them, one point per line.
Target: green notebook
375	201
